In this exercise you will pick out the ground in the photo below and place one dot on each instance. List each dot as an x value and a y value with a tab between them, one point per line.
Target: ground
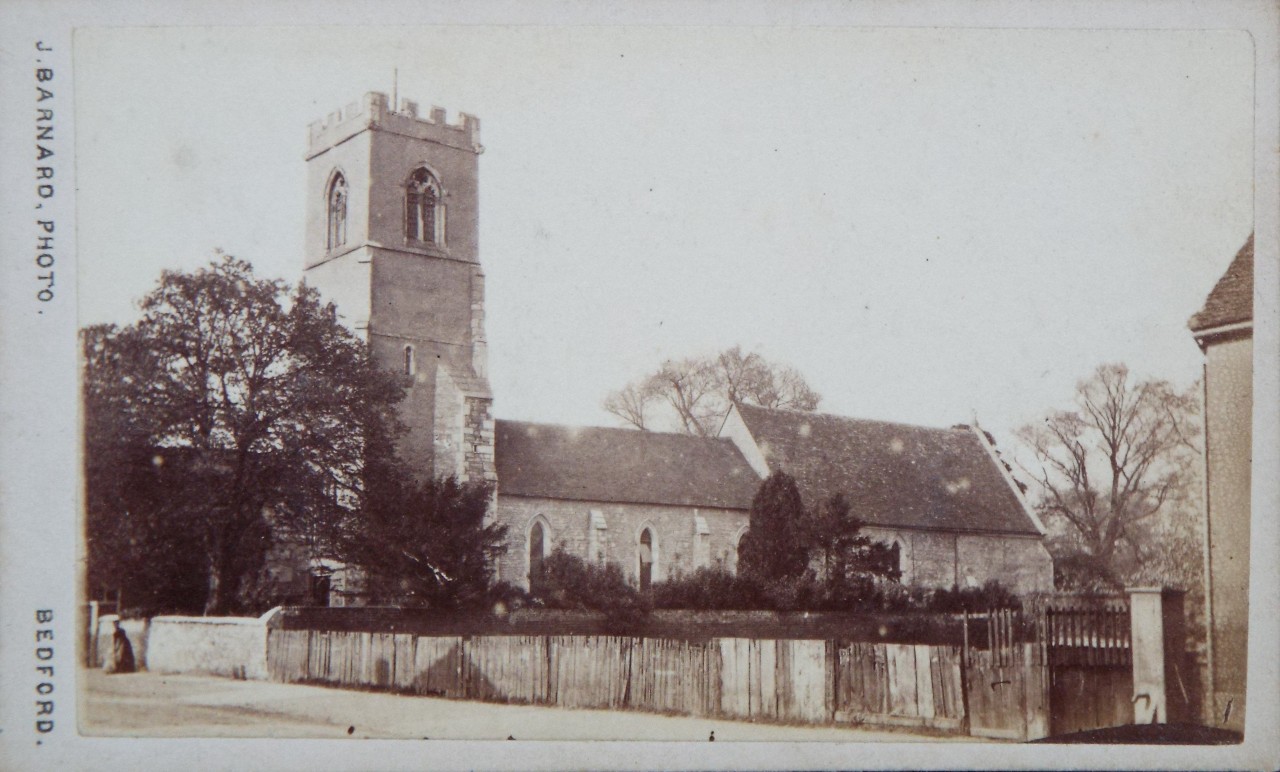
148	704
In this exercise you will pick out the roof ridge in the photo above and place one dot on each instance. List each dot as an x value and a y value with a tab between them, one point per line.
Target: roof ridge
629	429
854	419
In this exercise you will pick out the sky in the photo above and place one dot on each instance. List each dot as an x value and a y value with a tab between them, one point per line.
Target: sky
929	224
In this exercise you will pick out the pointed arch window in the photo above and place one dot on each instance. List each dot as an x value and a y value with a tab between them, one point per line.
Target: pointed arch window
647	555
424	208
735	557
410	363
537	550
336	206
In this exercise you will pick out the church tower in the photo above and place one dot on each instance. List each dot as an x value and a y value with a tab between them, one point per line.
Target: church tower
392	239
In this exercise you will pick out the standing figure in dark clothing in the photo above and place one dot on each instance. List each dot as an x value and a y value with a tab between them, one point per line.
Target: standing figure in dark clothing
121	652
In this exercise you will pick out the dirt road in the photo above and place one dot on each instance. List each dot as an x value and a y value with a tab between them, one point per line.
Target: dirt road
146	704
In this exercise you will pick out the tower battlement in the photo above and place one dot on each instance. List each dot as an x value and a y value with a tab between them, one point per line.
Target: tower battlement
376	111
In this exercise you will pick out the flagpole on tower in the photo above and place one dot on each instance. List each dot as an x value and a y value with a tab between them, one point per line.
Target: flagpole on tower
395	89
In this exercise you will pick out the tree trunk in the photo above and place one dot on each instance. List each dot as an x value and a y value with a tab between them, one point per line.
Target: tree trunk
213	601
222	584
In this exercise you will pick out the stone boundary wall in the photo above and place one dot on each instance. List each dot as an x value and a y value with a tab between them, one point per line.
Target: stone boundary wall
234	647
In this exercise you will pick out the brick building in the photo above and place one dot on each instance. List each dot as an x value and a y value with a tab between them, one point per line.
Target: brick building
392	239
1224	330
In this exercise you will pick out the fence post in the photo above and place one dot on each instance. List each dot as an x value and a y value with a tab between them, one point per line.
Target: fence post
965	720
1147	642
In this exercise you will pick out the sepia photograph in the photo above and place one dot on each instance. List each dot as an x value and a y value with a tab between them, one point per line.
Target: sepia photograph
885	384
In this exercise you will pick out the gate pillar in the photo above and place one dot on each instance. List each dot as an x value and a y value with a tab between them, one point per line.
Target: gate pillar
1158	647
1147	630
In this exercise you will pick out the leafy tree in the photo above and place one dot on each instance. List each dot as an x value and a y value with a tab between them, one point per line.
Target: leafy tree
427	544
775	546
698	391
1113	473
267	407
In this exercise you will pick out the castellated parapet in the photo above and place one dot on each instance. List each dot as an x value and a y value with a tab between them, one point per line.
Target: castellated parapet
376	111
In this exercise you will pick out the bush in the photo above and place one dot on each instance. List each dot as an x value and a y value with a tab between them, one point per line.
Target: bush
505	596
991	595
707	588
717	589
569	582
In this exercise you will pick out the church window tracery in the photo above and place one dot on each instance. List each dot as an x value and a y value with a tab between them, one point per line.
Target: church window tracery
424	209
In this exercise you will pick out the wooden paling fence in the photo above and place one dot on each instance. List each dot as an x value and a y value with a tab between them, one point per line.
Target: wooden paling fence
1064	666
809	681
899	684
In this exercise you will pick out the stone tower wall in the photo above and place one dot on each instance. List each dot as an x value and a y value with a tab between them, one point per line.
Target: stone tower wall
400	292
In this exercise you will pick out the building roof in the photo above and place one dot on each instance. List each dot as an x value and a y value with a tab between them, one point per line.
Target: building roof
892	474
620	465
1231	300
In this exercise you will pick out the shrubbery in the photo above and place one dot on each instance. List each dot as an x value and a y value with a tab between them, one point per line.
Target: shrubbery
707	588
715	589
569	582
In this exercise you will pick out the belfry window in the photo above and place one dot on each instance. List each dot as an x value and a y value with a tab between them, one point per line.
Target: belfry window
424	210
337	212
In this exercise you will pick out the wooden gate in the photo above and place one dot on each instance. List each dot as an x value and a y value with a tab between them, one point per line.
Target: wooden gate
1087	642
1006	678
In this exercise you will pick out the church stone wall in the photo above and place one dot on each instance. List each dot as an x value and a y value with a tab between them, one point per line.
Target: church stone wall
417	297
929	558
346	282
569	523
1021	564
941	559
478	441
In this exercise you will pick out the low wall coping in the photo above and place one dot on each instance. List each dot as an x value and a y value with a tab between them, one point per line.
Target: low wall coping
244	621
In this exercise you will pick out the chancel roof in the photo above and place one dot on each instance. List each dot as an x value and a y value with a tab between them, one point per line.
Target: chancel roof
891	474
620	465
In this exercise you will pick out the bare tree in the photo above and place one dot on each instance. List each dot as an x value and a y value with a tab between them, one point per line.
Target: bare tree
750	378
632	403
695	393
1108	470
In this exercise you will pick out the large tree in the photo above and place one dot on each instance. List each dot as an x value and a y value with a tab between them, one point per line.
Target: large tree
263	408
138	551
1116	476
695	393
